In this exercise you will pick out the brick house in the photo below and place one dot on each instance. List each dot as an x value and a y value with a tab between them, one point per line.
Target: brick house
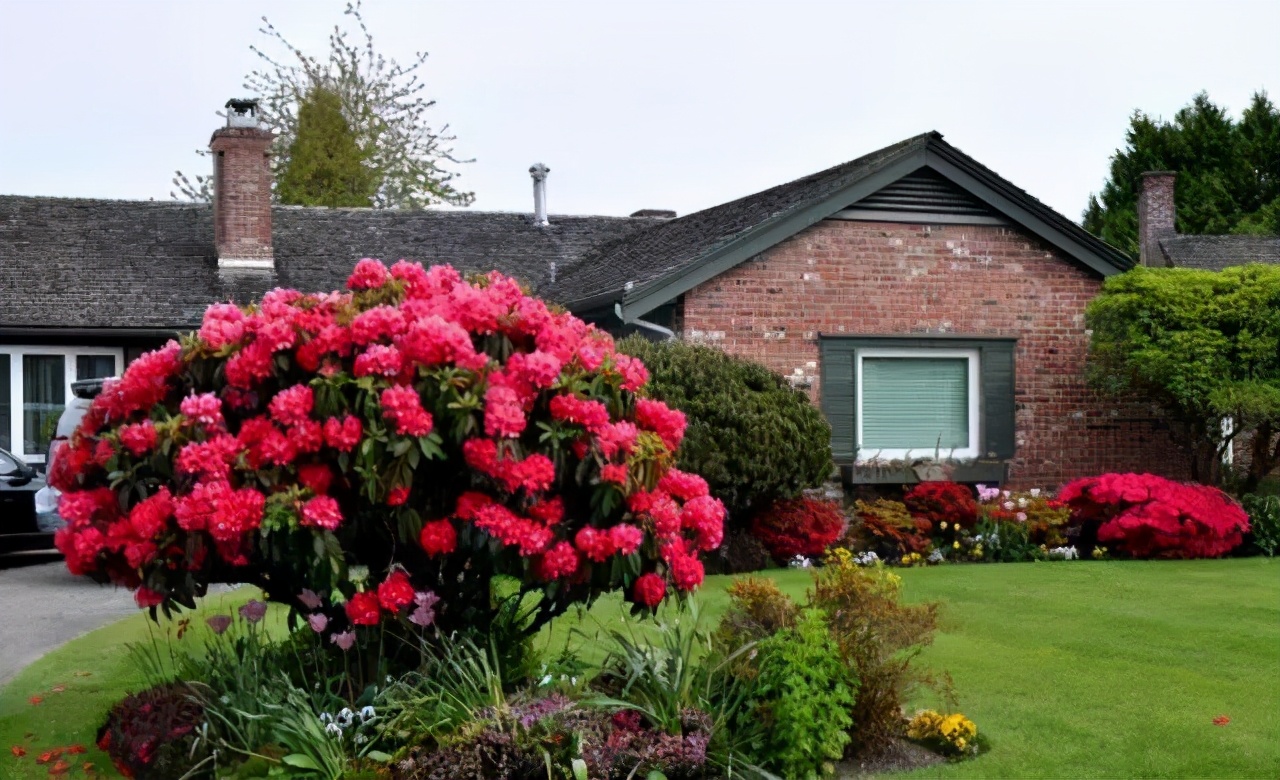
930	306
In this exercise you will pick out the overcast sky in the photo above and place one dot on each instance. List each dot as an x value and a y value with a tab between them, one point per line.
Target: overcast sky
678	105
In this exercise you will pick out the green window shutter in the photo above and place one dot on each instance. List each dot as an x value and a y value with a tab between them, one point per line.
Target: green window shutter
915	403
997	382
837	399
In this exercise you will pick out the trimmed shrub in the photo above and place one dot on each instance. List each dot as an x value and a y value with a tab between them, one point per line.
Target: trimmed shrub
801	526
750	435
757	609
384	455
939	502
1152	517
150	735
886	528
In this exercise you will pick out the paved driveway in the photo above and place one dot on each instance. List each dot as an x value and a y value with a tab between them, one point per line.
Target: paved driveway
42	606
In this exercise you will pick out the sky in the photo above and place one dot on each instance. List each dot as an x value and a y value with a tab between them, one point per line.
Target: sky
655	104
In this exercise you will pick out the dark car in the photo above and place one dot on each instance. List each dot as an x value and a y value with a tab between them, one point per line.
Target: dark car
19	529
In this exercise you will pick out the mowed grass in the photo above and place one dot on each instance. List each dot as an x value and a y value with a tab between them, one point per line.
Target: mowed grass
1071	669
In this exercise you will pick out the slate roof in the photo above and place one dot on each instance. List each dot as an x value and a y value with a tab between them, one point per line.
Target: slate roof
1217	252
79	263
629	266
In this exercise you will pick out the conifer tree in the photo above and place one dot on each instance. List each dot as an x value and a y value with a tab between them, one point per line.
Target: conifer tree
325	165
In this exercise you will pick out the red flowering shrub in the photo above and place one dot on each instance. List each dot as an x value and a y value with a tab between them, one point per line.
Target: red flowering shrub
1151	517
939	502
888	530
151	734
431	431
801	526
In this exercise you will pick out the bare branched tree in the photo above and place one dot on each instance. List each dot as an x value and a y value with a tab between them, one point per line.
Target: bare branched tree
381	99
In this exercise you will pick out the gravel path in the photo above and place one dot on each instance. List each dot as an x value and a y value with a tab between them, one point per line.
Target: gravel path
42	607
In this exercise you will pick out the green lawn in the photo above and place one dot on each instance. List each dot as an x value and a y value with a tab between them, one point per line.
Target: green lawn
1080	669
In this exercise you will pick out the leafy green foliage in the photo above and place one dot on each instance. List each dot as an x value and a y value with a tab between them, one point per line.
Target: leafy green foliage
1264	522
804	694
1228	172
1203	345
326	165
750	435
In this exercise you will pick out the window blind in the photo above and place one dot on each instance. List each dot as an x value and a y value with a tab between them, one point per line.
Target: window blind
915	403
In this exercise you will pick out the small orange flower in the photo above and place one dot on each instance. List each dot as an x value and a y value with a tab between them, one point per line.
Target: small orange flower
46	757
36	699
76	750
87	766
58	688
59	768
1221	720
18	751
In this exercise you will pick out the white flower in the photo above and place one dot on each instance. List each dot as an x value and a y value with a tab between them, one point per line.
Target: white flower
1022	503
544	681
326	717
1035	492
1008	505
345	717
367	713
333	730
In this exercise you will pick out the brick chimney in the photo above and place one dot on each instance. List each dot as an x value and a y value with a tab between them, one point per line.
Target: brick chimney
1155	216
242	189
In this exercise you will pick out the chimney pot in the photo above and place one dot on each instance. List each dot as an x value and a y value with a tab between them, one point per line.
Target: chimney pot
1156	215
539	173
242	190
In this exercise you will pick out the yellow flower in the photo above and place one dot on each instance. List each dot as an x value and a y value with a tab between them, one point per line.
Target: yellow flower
956	545
944	525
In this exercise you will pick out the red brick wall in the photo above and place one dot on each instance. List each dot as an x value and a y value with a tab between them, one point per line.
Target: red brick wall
869	278
242	193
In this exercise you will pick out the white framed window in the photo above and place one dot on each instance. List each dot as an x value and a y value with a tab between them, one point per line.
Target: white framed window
35	385
913	403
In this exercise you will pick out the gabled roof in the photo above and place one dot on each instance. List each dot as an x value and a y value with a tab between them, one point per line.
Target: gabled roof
1214	253
651	267
79	263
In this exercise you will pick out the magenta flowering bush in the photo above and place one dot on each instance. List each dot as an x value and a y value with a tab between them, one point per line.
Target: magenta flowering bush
382	454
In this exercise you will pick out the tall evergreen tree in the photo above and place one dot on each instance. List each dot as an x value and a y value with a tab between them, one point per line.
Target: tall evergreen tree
1228	172
325	164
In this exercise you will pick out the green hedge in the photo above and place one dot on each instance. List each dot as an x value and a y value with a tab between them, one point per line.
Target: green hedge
752	436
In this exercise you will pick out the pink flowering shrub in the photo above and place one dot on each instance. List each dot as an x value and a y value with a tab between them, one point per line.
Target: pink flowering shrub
391	448
1151	517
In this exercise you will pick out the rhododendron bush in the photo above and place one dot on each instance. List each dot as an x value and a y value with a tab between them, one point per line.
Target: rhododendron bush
1149	516
383	453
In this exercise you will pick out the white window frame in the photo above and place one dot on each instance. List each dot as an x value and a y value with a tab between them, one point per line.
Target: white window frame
16	400
975	403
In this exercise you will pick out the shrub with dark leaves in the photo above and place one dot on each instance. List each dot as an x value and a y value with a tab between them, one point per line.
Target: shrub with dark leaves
753	437
150	735
939	502
802	526
739	553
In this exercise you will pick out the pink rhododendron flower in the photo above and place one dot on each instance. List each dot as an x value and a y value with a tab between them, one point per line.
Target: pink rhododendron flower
395	591
322	512
438	537
649	590
292	405
403	408
204	409
139	438
343	433
626	538
369	274
656	416
223	325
